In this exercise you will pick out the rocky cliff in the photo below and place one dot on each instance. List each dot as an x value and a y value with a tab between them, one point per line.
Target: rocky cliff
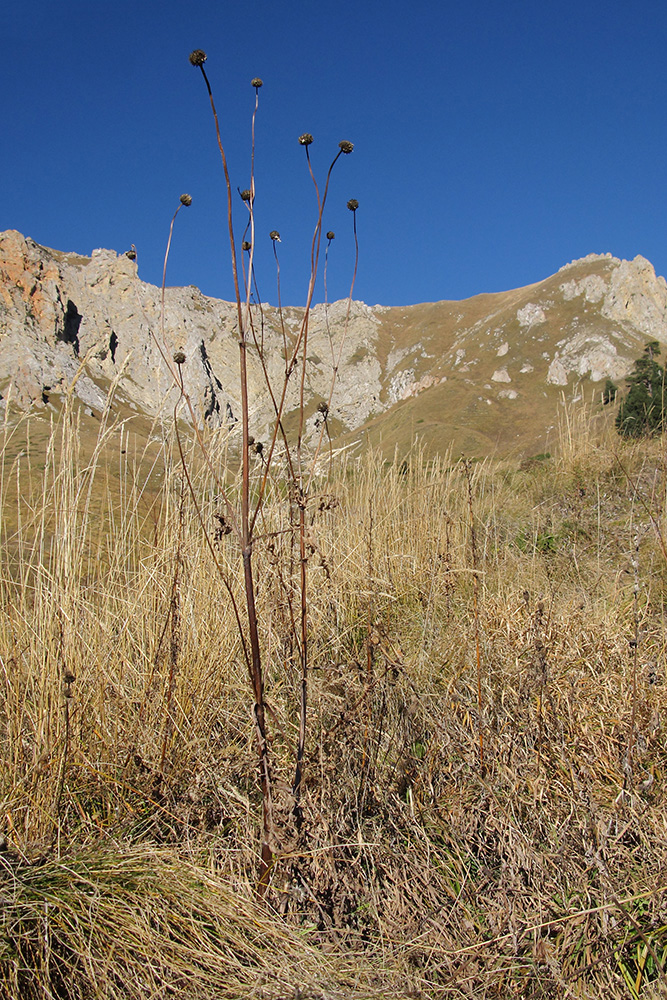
485	373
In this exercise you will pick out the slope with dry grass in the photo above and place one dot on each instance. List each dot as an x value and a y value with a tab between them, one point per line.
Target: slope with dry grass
130	800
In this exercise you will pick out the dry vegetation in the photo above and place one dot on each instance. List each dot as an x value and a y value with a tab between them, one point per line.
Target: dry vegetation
131	806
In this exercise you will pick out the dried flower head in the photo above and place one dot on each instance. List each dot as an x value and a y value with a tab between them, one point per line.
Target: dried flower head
331	235
275	235
353	204
258	447
345	146
186	199
179	357
246	195
256	82
305	139
223	527
323	409
246	245
198	57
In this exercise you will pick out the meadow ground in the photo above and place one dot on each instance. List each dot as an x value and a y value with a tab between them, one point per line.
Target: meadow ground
484	810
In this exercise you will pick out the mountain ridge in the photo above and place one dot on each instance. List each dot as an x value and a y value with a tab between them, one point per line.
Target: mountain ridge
486	373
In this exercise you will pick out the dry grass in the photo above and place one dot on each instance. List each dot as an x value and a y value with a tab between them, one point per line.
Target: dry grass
130	801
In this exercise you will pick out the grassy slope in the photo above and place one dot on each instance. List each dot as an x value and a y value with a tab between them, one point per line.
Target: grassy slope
130	802
465	412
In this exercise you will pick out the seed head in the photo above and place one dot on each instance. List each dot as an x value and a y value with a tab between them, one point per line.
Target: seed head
305	139
275	236
331	235
246	195
258	447
353	204
246	245
256	82
198	57
186	199
345	146
179	357
323	409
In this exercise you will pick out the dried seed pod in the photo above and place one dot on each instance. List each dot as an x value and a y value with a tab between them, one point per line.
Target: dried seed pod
256	82
246	195
198	57
246	245
353	204
275	236
179	357
345	146
331	235
305	139
186	200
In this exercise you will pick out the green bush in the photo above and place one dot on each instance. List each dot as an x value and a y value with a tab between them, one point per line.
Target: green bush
642	411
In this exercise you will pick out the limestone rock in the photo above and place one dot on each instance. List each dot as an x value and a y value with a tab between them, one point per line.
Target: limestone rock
530	315
637	298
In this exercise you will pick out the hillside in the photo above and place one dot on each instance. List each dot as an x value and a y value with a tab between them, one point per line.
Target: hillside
486	375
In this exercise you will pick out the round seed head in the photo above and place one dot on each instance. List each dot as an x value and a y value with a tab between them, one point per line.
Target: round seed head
345	146
258	447
246	195
198	57
179	357
246	245
353	204
256	82
331	235
275	235
186	199
305	139
323	408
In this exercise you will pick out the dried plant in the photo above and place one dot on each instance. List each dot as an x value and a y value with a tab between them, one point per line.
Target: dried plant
299	468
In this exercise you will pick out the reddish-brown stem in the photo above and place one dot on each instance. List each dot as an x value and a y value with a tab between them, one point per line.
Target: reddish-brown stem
302	344
301	495
246	535
300	347
340	352
177	379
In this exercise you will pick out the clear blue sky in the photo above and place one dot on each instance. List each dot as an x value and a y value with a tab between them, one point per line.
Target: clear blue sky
494	141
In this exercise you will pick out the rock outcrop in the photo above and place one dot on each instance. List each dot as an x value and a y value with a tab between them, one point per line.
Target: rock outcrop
88	320
90	323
